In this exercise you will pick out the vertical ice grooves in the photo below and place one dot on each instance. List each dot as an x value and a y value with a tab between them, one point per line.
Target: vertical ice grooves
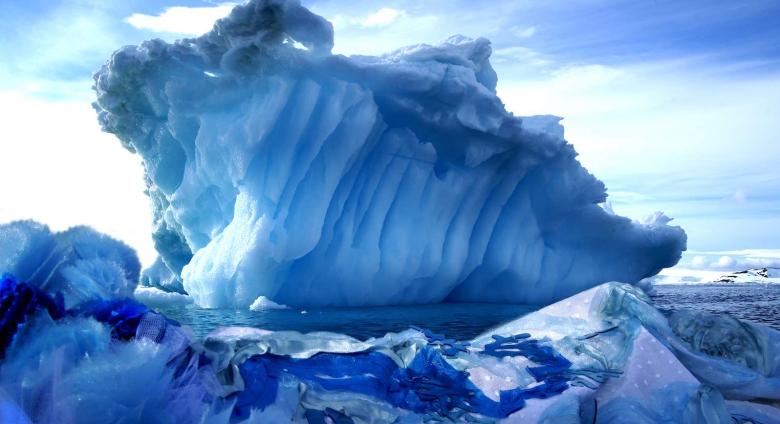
317	179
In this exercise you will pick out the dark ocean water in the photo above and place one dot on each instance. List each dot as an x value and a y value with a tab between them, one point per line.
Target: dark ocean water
752	302
461	321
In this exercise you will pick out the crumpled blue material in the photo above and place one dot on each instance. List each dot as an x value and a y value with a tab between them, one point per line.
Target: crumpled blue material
326	416
123	315
427	385
448	347
18	301
554	364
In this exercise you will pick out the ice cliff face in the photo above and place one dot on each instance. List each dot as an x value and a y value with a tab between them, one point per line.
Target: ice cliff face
277	169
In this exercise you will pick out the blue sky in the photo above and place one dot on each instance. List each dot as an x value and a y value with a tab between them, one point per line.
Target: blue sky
675	105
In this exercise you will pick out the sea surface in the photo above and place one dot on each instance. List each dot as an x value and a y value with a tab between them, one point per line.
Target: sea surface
460	321
464	321
751	302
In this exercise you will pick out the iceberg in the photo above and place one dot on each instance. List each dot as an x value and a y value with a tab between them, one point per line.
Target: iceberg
278	169
160	277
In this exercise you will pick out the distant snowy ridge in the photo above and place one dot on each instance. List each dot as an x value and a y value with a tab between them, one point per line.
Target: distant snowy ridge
758	275
278	169
685	276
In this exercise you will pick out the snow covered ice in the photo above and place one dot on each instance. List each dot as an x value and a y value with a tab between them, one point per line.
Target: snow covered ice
278	169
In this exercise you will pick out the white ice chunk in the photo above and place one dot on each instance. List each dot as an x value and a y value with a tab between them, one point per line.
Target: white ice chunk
154	297
263	303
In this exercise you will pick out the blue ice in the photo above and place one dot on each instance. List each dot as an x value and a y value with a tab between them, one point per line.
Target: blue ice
315	179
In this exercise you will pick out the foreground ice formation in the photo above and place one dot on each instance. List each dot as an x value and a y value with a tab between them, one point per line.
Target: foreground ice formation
605	355
278	169
79	263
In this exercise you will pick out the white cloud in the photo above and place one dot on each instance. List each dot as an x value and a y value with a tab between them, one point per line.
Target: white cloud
61	170
382	17
520	55
523	32
623	119
181	20
378	33
726	262
699	262
731	260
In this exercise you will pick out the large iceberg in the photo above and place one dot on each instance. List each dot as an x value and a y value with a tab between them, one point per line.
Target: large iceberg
278	169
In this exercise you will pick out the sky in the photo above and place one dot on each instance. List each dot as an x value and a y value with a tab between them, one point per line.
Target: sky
675	105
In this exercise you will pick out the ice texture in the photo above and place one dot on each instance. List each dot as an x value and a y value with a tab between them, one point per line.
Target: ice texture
159	276
80	263
155	297
262	303
278	169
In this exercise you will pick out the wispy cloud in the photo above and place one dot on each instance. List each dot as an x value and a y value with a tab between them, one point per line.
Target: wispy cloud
382	17
181	20
382	30
731	260
53	48
523	32
518	55
377	19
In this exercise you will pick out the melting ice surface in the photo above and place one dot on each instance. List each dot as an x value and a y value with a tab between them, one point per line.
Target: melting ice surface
315	179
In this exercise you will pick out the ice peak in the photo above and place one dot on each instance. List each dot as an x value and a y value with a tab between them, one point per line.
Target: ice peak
261	23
